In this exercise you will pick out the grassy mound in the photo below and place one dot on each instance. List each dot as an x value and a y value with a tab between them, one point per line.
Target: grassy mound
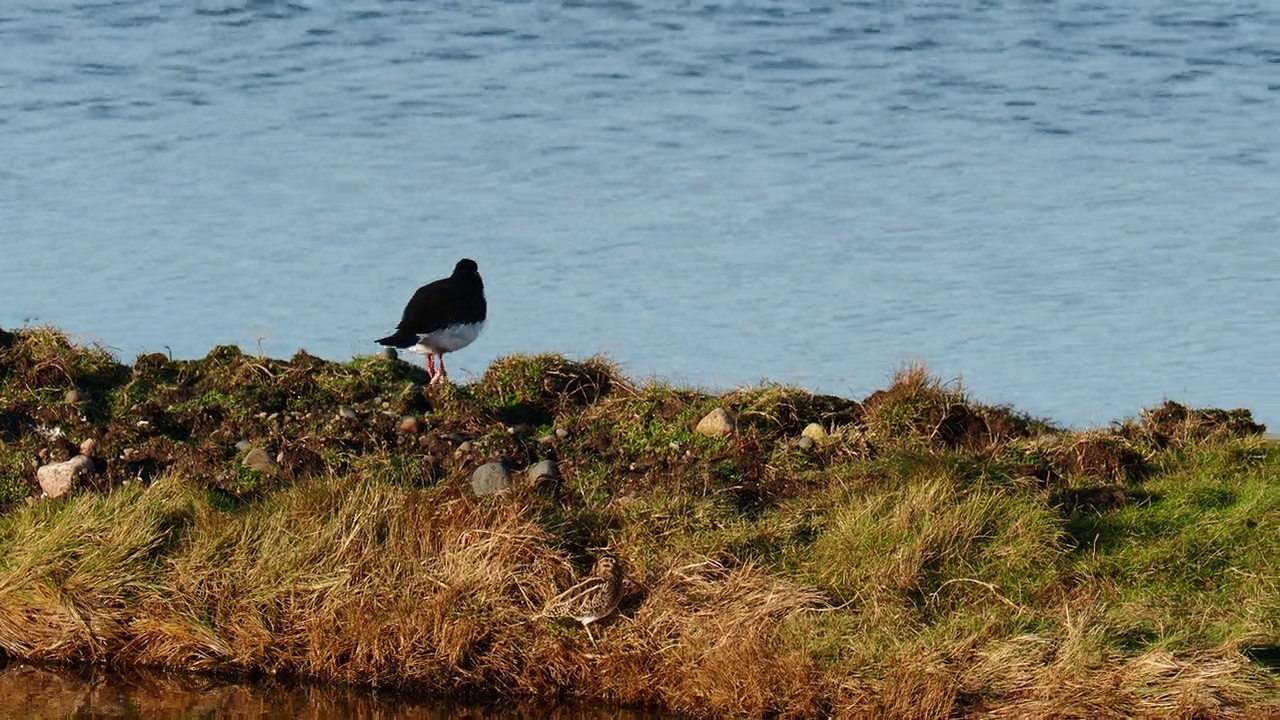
914	553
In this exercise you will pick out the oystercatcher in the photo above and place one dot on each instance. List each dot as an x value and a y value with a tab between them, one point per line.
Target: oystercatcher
442	316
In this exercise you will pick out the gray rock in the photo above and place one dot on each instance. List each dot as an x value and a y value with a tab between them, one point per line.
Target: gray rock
244	446
76	397
58	479
805	443
814	431
717	423
261	460
490	478
347	412
545	470
562	433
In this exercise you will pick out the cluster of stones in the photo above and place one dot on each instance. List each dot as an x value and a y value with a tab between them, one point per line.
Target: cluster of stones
722	423
492	478
59	478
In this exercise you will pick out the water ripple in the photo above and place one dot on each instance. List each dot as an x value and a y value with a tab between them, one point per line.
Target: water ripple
1061	201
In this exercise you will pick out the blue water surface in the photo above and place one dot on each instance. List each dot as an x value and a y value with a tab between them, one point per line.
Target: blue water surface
1074	207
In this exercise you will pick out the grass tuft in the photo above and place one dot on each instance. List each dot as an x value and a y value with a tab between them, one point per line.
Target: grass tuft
923	555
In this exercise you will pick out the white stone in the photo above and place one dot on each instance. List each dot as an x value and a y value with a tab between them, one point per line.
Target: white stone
58	479
717	423
815	431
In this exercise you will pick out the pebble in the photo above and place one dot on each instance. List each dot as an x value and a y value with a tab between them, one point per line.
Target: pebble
562	433
465	447
545	470
547	439
58	479
261	460
815	432
76	397
89	447
490	478
805	443
717	423
244	446
408	425
347	412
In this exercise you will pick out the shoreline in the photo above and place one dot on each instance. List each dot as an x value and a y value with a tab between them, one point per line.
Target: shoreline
911	553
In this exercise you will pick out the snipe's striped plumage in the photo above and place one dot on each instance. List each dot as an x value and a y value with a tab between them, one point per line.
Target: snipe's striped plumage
594	598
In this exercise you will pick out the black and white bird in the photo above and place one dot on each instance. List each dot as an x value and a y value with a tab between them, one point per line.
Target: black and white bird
442	316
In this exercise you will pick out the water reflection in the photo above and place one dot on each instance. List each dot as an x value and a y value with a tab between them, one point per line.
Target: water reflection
85	692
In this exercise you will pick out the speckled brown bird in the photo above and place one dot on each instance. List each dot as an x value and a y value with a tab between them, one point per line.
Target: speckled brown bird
594	598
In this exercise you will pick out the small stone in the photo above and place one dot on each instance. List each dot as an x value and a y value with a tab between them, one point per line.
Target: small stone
58	479
465	447
347	412
490	478
545	470
390	353
674	445
815	432
143	424
547	439
261	460
244	446
89	447
408	425
562	433
805	443
717	423
423	441
76	397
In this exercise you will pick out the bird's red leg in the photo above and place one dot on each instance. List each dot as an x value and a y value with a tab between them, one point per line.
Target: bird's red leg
438	377
431	366
443	376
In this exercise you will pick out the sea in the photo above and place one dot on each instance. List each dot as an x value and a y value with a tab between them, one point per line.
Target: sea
1071	207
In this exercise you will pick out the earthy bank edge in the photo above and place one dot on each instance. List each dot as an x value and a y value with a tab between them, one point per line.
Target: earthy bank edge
915	554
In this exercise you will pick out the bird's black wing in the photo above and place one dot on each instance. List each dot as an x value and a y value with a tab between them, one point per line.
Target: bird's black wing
450	301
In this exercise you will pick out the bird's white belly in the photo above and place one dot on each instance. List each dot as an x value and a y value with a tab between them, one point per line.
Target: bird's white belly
447	339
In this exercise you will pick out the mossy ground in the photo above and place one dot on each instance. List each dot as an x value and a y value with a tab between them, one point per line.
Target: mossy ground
931	556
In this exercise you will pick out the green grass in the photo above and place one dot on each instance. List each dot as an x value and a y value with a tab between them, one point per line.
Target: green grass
921	561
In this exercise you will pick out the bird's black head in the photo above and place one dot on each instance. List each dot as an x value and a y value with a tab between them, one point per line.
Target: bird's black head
466	266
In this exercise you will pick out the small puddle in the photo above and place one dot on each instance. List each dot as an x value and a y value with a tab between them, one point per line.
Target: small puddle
87	692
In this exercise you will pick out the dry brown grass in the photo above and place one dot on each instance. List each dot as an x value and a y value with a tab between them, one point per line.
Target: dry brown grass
930	557
374	584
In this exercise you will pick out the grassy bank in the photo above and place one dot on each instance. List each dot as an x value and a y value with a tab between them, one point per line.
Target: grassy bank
923	555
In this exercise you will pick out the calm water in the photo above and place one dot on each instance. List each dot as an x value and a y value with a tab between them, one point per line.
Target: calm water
30	692
1075	206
